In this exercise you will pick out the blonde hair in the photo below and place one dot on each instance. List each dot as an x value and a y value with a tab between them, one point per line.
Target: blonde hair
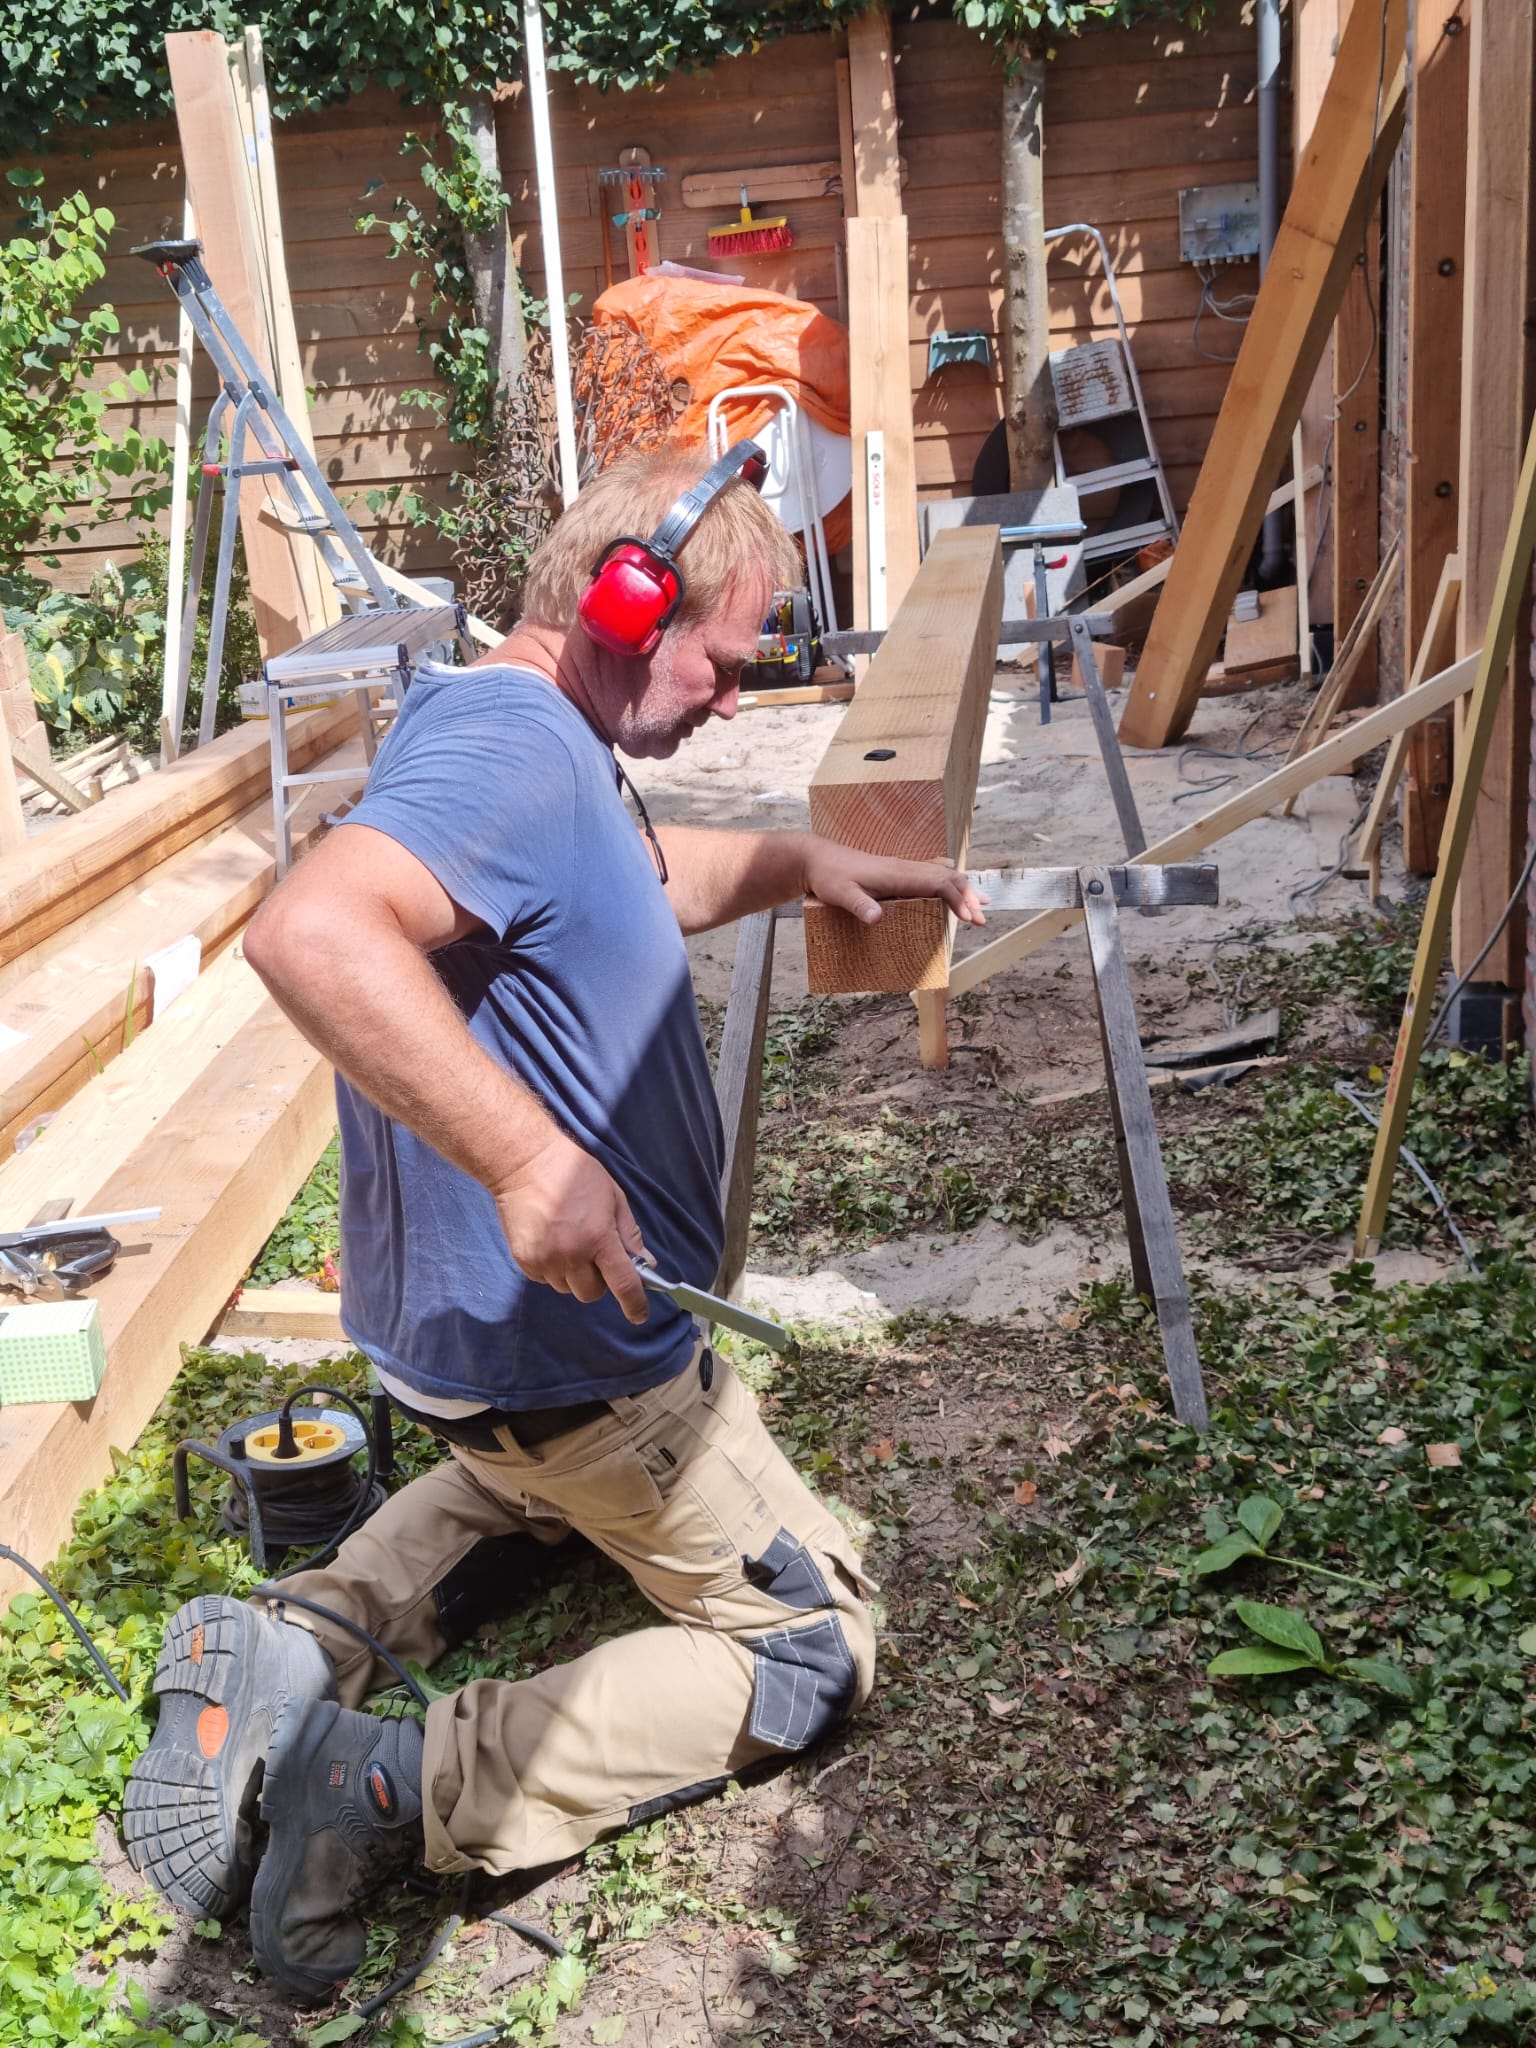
737	536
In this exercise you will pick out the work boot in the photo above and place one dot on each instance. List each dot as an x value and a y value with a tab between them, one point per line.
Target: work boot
342	1802
225	1673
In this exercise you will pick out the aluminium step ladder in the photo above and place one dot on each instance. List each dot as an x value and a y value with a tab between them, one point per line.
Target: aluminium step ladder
1096	385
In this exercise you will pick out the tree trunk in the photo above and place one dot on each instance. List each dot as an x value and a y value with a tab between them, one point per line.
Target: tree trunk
1029	399
492	267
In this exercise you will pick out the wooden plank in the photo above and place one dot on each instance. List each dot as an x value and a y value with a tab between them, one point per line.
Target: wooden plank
1228	817
214	154
285	1312
900	775
222	1162
1496	402
880	394
738	1086
1356	522
46	776
872	95
1337	182
46	883
1269	639
1511	596
69	1017
1333	692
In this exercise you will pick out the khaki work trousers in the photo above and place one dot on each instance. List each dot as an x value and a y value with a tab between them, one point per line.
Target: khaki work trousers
770	1642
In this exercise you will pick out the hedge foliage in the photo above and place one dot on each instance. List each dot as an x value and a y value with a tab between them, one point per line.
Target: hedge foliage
95	63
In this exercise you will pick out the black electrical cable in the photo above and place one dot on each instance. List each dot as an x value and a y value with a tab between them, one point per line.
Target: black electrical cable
1505	915
272	1590
535	1936
69	1614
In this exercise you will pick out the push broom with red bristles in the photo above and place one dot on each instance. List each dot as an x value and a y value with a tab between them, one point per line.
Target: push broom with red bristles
749	237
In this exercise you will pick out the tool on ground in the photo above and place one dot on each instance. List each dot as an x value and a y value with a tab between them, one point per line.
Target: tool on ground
56	1261
749	236
247	409
710	1308
294	1482
1097	387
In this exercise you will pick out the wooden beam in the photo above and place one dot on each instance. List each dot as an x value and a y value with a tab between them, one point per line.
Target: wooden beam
47	778
1357	447
872	102
899	777
1338	180
1509	602
47	883
1286	782
1130	608
1314	40
285	1312
69	1018
1496	404
213	151
879	297
222	1161
739	1084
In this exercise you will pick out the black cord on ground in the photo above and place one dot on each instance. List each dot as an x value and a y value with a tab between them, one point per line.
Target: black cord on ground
1241	752
1357	1101
365	1503
69	1614
279	1595
535	1936
1505	915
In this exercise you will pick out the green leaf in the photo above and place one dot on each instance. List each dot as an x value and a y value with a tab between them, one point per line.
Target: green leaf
1379	1671
1258	1660
1282	1625
1227	1552
609	2029
342	2028
1525	1642
1261	1517
566	1979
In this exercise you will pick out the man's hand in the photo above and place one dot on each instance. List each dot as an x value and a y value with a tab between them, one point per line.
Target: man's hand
569	1225
856	881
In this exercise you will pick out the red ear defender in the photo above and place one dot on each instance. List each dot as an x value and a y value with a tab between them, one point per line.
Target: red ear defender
636	585
633	594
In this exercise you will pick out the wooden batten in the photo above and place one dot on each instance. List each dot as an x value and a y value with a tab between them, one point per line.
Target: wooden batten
1338	180
47	883
899	777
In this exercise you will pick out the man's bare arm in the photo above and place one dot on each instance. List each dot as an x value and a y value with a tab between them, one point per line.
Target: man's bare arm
715	877
343	946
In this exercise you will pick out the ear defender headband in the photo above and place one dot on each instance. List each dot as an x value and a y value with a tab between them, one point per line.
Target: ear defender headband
636	585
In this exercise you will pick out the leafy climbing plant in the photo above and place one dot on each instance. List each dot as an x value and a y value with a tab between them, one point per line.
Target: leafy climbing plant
58	458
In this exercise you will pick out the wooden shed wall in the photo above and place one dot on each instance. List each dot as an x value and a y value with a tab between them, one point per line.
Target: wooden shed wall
1130	119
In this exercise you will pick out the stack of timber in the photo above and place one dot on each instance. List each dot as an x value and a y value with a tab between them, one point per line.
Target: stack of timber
126	1089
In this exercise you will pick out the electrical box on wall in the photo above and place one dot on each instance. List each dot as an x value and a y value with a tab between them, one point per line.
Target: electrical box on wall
1218	223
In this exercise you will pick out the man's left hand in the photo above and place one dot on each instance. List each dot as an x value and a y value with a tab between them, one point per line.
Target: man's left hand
857	882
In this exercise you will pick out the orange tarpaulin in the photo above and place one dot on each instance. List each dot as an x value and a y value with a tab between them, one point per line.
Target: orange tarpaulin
714	336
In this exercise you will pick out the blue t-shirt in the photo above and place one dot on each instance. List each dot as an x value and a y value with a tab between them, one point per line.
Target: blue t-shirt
579	985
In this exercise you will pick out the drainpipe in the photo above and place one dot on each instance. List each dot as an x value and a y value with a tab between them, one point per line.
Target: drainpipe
1272	551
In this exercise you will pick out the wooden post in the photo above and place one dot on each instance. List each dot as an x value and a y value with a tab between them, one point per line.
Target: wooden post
549	230
1436	269
1435	651
879	296
1356	412
213	152
1314	38
1496	395
1337	183
1510	599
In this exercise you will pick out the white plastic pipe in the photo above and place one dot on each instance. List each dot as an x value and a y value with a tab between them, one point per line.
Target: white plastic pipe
549	228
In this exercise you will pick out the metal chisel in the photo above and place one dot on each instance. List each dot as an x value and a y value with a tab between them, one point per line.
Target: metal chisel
712	1309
